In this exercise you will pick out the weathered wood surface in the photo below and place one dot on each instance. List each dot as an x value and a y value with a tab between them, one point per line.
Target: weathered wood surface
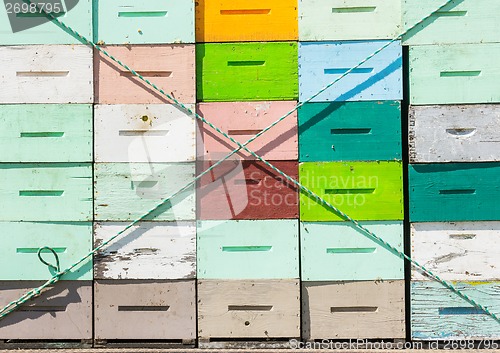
62	312
248	309
454	74
366	191
350	131
439	314
152	22
246	20
454	192
143	133
454	133
321	20
462	251
380	78
248	249
343	310
336	251
150	250
45	133
170	67
46	74
127	191
460	21
242	121
46	192
246	71
145	310
21	241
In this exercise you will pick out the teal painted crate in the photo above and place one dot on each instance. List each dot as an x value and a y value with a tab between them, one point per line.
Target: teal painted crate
127	191
21	241
46	133
266	249
46	192
337	251
439	314
78	16
454	192
144	22
350	131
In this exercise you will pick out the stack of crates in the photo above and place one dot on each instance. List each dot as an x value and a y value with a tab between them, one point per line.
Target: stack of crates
350	155
46	98
454	145
247	234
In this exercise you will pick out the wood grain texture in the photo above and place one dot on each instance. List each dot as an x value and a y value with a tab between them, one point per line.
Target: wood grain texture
342	310
244	120
46	74
248	249
454	74
62	312
366	191
248	190
120	22
169	67
124	192
321	20
439	314
454	192
21	241
248	20
246	71
454	133
46	133
336	251
37	30
462	251
248	309
320	63
150	250
350	131
145	310
143	133
46	192
460	21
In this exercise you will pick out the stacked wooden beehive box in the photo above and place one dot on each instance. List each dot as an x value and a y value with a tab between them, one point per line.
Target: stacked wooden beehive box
453	175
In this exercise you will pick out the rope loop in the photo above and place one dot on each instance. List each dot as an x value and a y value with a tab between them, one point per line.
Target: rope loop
56	267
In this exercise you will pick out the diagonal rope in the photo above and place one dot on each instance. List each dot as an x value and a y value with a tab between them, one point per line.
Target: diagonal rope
15	304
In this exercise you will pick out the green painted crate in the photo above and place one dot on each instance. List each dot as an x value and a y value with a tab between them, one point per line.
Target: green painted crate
366	191
247	71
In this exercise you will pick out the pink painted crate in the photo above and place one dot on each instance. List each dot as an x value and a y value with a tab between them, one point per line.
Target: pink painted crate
242	120
170	67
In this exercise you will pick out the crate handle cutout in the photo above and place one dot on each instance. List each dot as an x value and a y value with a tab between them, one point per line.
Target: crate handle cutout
450	13
143	307
246	12
350	191
243	132
463	236
42	73
142	14
341	71
351	250
147	73
35	250
249	307
143	132
461	311
144	183
347	131
42	134
247	182
461	131
353	309
246	248
470	73
458	192
37	14
354	9
41	193
48	308
247	63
